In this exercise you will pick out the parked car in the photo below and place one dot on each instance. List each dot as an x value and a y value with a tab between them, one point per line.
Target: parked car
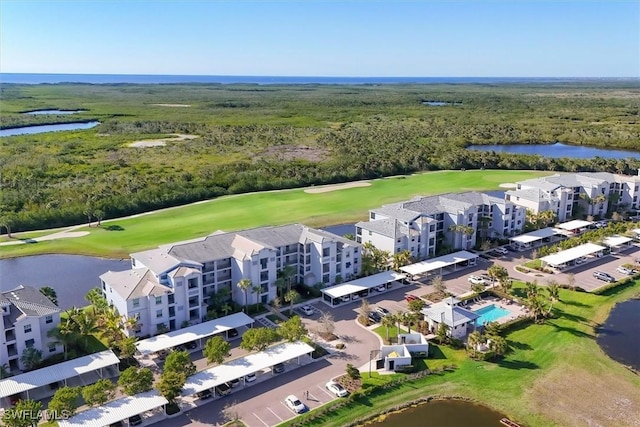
116	424
625	270
223	389
250	378
346	298
381	288
192	345
204	394
383	311
295	404
337	389
374	317
476	280
278	368
410	297
307	310
234	382
232	333
601	275
581	260
501	251
135	420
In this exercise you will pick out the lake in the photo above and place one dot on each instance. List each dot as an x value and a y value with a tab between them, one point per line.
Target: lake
31	130
444	413
45	112
72	276
619	336
557	150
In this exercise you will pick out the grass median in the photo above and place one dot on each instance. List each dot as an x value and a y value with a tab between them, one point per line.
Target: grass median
118	238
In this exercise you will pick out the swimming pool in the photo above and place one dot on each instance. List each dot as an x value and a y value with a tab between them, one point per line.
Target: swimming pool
490	313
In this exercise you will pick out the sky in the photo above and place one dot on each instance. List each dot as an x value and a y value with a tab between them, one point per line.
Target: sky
366	38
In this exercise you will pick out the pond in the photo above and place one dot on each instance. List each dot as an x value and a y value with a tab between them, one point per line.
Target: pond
31	130
619	336
72	276
41	112
444	413
557	150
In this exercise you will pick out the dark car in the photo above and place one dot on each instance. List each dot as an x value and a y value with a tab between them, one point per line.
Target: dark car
191	345
116	424
234	382
135	420
232	333
277	368
374	317
204	394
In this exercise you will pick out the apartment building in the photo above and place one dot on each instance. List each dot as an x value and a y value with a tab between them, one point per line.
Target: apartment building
172	285
27	317
424	224
584	193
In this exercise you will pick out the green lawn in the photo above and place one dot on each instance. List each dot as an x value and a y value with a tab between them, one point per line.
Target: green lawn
260	209
555	375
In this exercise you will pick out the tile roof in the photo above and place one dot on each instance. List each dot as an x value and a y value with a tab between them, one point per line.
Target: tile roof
30	301
134	283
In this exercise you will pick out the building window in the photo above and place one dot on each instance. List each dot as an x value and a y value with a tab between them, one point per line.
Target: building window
27	328
158	300
52	348
326	252
48	319
263	263
370	232
264	276
158	314
29	343
136	302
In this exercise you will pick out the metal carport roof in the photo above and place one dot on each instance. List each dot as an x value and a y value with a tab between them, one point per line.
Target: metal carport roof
242	366
363	284
570	254
58	372
117	410
615	241
191	333
575	224
438	263
534	235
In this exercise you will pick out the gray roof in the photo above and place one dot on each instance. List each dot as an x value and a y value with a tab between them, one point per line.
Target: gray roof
582	179
387	227
134	283
451	314
533	194
157	260
30	302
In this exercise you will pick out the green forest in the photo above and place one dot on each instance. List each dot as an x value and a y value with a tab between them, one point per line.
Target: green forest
262	137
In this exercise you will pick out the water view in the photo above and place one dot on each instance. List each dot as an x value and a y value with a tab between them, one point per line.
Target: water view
557	150
72	276
31	130
619	337
45	112
444	413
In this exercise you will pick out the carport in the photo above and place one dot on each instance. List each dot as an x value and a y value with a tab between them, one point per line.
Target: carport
192	333
59	372
618	243
574	227
527	240
118	410
559	260
360	287
436	266
243	366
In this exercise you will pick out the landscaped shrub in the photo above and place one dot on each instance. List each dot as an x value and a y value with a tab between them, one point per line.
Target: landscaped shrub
405	369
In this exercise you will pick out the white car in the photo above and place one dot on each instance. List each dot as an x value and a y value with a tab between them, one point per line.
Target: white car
581	260
381	288
336	389
250	378
307	310
625	270
295	404
501	251
476	280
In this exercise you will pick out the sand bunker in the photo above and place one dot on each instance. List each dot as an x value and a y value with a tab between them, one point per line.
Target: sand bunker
162	141
508	185
173	105
328	188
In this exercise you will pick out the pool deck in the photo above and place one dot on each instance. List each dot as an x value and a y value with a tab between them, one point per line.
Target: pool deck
515	310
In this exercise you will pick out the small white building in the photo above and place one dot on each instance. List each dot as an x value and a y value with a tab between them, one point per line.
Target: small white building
400	354
459	320
27	317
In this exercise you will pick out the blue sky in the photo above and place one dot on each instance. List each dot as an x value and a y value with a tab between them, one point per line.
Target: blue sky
479	38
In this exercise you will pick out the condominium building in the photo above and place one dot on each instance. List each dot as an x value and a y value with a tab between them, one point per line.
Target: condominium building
27	317
422	225
171	286
577	194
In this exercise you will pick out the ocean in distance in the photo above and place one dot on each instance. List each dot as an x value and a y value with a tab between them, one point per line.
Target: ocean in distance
27	78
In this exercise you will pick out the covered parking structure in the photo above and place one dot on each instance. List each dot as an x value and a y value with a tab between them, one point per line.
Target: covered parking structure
618	243
192	333
577	226
562	259
29	382
358	288
437	266
528	240
118	410
243	366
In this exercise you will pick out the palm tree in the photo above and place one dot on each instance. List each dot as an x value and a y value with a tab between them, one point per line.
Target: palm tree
256	290
65	335
388	322
536	306
498	345
554	294
499	273
226	308
87	326
473	340
292	297
531	289
400	259
5	372
31	357
244	285
410	318
286	274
